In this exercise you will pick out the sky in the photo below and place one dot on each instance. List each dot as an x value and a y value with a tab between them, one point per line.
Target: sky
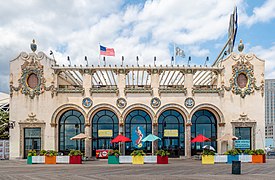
134	28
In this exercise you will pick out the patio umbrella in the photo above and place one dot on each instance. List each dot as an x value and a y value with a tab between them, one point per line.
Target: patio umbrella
208	147
151	138
120	138
200	138
227	137
79	137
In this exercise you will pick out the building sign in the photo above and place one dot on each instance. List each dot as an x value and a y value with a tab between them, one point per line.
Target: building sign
171	133
242	144
137	135
105	133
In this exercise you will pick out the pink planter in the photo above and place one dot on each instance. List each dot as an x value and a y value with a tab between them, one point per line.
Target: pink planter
162	159
76	159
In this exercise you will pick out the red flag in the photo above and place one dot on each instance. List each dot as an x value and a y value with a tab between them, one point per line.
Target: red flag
107	51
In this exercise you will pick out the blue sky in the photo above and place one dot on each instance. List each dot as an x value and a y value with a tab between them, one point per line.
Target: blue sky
134	28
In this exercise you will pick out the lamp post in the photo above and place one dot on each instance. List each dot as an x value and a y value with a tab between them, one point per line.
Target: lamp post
76	126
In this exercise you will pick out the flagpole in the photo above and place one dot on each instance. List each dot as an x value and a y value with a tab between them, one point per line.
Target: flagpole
99	59
174	53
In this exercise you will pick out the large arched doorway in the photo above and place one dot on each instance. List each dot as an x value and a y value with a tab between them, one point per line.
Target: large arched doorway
71	123
138	125
171	132
205	123
104	129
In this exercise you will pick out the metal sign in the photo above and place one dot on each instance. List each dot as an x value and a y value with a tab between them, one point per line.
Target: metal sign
171	133
105	133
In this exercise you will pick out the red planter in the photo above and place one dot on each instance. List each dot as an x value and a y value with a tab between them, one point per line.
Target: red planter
76	159
162	159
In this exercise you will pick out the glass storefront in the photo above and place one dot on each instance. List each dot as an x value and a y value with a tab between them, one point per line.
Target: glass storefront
171	132
32	140
104	129
205	123
71	124
244	138
138	125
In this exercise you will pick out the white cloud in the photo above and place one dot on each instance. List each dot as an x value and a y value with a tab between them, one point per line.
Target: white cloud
269	56
261	14
144	30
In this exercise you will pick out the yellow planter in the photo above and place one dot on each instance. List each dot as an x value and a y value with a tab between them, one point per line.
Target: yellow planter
207	159
137	160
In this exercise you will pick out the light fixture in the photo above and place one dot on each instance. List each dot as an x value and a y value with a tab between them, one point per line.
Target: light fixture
11	124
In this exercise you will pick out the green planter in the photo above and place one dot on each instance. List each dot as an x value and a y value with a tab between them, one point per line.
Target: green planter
29	160
113	160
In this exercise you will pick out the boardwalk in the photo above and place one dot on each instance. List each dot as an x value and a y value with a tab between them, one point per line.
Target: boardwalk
100	170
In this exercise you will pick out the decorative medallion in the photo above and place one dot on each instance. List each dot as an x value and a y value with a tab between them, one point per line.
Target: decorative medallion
121	103
243	81
189	102
155	102
87	102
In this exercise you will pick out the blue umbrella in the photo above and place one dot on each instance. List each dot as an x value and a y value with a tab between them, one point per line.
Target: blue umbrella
151	138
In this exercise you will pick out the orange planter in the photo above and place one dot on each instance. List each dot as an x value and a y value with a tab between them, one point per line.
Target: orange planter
258	158
50	159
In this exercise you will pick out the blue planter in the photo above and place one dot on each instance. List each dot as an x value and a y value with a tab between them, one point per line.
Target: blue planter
231	158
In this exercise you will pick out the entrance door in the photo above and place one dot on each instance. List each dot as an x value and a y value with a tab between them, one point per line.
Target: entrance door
32	140
172	146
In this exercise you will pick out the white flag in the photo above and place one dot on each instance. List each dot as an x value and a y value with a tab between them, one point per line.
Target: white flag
180	52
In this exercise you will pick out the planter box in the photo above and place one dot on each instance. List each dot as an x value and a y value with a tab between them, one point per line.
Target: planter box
150	159
231	158
113	160
38	159
207	159
137	160
125	159
76	159
245	158
62	159
29	160
50	159
258	158
162	159
220	158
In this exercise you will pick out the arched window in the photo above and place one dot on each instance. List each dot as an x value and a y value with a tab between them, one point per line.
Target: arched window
205	123
71	123
171	132
138	125
105	128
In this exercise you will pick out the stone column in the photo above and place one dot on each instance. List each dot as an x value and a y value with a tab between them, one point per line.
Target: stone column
88	148
188	140
87	82
188	84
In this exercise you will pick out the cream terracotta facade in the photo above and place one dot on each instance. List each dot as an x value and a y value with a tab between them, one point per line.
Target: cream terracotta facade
42	105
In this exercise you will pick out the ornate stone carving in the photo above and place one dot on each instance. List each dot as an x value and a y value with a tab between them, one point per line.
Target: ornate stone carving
121	103
155	102
32	81
243	81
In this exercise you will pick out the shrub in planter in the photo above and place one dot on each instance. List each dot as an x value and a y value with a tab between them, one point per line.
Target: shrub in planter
113	157
75	156
258	156
162	156
232	155
31	153
137	157
246	156
50	157
208	156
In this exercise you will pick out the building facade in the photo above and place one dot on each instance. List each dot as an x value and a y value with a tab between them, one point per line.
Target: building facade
51	103
270	110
